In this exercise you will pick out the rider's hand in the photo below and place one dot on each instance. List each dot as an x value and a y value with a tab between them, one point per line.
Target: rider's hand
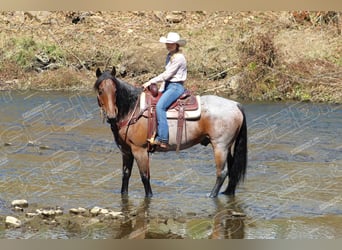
145	85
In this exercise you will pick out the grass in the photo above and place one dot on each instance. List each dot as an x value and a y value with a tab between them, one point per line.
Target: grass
25	50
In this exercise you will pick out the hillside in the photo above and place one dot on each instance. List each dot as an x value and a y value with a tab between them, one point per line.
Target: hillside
241	55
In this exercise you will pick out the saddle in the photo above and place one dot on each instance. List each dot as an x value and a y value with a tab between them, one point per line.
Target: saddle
186	107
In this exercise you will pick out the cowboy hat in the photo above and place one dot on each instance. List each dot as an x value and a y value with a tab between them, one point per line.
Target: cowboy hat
172	37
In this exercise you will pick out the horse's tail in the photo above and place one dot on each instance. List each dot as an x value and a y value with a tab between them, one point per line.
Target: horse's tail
237	164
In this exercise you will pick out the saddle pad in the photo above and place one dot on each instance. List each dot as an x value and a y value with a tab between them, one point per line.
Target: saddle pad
173	113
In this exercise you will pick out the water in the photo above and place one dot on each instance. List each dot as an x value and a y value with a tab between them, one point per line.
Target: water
55	151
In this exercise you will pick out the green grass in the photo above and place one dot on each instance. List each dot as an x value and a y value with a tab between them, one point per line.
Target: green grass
26	49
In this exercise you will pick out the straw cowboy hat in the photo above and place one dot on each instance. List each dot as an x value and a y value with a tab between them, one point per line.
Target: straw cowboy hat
173	37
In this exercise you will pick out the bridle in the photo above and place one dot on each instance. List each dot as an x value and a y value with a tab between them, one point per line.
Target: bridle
132	118
103	113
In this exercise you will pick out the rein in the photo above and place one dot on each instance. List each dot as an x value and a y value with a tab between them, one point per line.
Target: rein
132	119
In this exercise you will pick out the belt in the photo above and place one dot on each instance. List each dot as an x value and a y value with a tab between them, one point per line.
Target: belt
180	82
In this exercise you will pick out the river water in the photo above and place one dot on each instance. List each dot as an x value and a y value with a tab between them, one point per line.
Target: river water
55	151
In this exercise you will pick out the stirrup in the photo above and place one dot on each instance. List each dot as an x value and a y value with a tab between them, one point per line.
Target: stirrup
154	142
151	141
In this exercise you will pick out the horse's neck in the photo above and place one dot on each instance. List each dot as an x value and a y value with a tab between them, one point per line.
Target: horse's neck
127	96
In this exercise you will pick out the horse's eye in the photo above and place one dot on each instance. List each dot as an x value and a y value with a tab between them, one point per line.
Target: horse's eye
100	92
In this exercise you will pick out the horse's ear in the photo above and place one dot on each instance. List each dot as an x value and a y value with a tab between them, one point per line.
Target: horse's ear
113	71
98	72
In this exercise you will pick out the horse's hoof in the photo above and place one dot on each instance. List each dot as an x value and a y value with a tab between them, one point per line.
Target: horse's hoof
212	195
149	195
124	194
229	193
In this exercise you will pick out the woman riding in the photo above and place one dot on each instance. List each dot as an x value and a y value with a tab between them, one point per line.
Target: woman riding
173	79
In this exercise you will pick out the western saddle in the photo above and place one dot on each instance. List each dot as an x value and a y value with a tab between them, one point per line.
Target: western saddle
187	106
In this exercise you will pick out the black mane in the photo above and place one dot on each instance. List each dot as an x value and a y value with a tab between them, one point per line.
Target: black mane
126	94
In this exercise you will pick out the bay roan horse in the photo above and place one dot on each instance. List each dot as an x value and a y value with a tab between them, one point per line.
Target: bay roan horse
222	123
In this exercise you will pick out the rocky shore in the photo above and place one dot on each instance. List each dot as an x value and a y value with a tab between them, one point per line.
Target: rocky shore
34	222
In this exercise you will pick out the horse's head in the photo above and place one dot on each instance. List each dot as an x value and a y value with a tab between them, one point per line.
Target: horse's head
106	93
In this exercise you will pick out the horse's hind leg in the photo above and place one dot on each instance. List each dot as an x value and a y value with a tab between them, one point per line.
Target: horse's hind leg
230	190
221	174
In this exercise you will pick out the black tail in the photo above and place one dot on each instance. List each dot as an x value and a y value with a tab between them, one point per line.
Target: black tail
237	164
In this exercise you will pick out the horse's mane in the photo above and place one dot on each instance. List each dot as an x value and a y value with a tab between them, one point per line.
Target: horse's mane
126	94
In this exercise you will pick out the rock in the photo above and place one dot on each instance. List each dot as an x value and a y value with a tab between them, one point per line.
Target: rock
79	210
31	215
238	214
104	211
59	211
115	215
42	58
234	82
52	66
174	18
19	203
12	222
18	209
49	212
95	210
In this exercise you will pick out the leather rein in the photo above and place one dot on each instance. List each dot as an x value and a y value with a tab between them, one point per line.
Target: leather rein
132	118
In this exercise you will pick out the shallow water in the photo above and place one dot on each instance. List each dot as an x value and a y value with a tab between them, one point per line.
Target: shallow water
55	151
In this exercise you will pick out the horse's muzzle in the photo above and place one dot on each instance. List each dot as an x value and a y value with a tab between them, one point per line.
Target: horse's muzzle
111	113
111	120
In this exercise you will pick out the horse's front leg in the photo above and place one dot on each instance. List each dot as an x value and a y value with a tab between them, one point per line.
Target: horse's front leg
142	159
127	164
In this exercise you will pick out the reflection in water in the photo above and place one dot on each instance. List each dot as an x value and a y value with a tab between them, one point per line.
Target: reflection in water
137	227
223	224
226	226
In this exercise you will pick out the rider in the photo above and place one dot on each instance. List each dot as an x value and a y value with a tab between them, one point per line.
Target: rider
172	87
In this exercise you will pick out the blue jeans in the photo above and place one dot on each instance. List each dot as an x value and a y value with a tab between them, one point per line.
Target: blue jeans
170	94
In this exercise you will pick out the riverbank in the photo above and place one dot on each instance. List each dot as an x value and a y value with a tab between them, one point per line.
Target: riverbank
30	221
266	56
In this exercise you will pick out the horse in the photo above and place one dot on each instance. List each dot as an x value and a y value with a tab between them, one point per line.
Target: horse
222	123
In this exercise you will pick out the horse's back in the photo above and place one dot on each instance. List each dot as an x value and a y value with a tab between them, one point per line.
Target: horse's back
220	120
221	117
219	106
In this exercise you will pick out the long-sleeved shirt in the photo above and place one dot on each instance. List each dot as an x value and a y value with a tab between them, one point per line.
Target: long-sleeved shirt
175	70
